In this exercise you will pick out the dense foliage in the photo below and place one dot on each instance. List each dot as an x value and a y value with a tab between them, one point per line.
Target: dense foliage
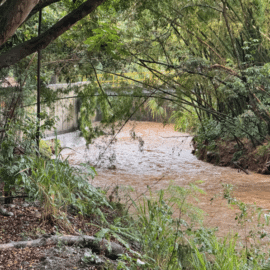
205	62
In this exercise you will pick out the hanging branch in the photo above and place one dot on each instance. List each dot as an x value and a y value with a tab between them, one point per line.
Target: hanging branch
100	87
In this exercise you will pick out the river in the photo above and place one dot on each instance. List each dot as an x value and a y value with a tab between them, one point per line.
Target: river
160	156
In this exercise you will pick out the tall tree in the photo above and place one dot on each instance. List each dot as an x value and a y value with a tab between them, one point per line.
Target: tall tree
215	54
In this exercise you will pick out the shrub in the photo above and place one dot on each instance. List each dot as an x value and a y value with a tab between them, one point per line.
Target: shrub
53	182
161	233
57	185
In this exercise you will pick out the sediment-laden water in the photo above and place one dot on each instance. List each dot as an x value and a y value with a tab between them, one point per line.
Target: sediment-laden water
160	156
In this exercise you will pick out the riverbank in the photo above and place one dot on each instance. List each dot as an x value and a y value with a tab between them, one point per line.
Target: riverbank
241	155
151	239
146	155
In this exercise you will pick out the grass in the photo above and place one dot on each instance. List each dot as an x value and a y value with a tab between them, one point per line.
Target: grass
169	242
163	229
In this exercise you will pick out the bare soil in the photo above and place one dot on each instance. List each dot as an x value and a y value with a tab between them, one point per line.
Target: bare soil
27	224
242	155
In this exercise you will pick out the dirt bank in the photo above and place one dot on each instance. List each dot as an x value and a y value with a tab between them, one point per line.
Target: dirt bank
241	155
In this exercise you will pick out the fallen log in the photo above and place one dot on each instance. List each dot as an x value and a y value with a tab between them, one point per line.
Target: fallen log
112	249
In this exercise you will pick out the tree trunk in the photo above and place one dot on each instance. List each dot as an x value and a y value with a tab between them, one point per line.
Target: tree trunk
19	52
13	14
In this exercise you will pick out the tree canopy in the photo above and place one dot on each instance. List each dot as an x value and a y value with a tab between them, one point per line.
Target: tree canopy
211	55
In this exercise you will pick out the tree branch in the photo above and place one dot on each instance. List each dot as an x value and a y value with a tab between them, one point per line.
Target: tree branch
112	249
13	14
19	52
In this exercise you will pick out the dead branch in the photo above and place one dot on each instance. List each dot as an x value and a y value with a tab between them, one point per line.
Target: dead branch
240	168
112	249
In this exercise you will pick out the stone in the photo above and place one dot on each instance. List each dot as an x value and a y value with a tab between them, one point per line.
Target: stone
5	212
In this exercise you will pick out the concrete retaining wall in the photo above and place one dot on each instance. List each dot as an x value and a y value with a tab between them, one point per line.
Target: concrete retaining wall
67	111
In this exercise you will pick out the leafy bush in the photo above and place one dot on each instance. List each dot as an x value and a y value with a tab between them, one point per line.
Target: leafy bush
217	254
237	155
185	120
167	241
264	149
20	140
58	185
161	232
207	133
209	252
53	182
243	126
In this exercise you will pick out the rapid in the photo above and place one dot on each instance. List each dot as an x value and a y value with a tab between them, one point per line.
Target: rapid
160	156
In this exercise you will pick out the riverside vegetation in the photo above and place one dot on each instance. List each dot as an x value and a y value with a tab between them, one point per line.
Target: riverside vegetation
163	230
209	65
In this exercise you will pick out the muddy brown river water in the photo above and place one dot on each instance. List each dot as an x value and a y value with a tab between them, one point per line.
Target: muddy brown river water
164	156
